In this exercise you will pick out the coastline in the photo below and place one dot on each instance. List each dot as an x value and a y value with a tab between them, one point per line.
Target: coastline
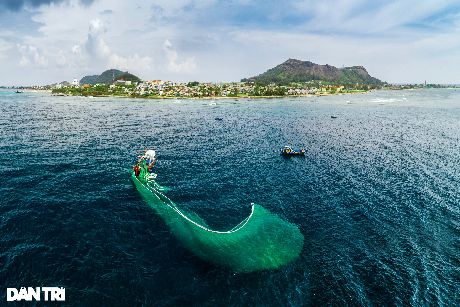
35	91
208	97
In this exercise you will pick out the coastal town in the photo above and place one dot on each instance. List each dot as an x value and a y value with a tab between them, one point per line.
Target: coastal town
169	89
290	78
158	89
115	83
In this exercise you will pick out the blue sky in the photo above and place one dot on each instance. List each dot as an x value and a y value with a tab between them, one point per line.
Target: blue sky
44	41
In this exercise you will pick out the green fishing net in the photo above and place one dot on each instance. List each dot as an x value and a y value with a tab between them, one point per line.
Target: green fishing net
262	241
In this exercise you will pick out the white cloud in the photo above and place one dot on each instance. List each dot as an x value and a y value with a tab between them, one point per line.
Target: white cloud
76	49
98	50
61	59
30	55
95	44
96	27
133	62
85	39
186	65
366	17
4	47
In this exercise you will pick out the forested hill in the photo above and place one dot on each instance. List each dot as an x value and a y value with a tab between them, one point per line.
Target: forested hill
108	77
303	71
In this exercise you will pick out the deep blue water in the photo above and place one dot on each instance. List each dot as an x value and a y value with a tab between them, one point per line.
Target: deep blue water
377	197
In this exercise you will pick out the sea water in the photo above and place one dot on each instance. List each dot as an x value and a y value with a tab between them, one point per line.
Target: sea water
376	197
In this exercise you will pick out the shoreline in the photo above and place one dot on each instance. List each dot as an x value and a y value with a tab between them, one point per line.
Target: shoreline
209	97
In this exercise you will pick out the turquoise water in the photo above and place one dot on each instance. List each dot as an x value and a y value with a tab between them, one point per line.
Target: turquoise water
376	197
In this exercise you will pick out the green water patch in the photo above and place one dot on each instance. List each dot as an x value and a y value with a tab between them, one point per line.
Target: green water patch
262	241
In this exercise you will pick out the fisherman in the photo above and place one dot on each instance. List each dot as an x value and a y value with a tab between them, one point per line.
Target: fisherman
151	164
137	170
150	154
150	159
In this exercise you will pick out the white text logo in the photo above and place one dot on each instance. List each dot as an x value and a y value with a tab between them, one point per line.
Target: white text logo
29	294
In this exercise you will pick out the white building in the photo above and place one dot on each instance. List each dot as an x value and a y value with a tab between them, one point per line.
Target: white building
75	82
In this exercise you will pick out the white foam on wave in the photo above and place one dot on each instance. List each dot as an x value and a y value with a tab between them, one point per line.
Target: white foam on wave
385	100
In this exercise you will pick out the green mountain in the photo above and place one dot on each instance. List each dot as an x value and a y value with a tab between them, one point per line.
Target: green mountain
303	71
108	77
89	79
128	77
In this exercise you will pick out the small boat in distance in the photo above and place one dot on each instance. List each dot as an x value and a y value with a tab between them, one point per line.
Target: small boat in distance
19	92
288	151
